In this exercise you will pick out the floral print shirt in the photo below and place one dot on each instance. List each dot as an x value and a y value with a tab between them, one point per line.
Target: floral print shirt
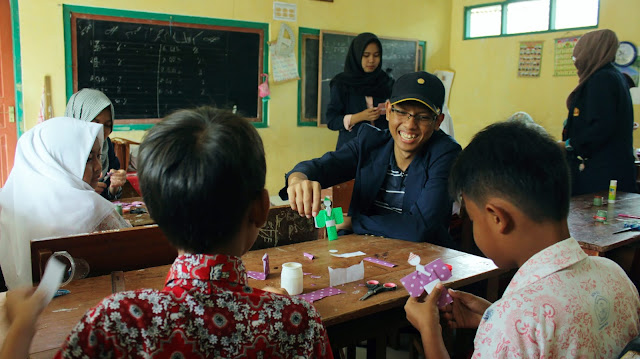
206	310
561	304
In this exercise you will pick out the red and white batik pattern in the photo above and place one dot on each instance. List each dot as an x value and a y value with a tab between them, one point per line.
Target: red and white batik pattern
561	304
206	310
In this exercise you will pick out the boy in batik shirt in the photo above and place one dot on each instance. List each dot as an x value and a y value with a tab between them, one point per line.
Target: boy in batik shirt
202	175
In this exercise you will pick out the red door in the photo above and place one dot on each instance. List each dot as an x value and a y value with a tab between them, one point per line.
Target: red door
8	132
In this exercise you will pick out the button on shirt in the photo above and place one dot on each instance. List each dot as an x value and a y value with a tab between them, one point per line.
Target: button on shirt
206	310
561	304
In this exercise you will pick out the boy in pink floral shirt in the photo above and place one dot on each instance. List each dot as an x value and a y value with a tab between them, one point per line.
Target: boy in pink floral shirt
202	175
514	182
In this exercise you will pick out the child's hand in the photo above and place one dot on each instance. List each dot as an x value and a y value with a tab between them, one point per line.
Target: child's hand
424	314
466	310
118	179
275	290
24	305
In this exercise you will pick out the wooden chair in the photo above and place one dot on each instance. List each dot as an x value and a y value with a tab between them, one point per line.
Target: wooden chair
118	250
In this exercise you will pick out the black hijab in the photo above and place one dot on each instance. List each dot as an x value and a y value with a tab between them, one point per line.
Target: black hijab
376	83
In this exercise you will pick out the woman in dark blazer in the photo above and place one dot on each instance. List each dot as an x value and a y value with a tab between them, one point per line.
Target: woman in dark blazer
598	132
357	92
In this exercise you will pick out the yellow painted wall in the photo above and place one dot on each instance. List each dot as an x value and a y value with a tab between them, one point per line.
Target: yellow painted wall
42	41
486	88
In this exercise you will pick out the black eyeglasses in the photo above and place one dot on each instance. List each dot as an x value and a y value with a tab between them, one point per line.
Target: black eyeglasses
404	115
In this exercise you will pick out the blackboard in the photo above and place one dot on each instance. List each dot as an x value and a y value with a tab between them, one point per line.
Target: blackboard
149	68
311	46
398	58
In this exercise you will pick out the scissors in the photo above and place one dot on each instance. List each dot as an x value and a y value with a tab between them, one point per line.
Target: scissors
629	227
375	287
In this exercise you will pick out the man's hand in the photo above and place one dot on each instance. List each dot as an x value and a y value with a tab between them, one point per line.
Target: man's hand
275	290
304	195
118	179
466	310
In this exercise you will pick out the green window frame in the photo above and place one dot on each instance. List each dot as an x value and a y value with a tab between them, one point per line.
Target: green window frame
504	17
69	9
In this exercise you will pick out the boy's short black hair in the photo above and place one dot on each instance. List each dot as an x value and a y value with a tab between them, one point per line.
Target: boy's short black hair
518	163
199	170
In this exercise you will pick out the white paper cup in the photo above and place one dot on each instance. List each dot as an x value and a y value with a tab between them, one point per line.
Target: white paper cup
291	278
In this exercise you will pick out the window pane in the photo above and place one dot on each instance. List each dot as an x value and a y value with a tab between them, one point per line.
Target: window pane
527	16
576	13
485	21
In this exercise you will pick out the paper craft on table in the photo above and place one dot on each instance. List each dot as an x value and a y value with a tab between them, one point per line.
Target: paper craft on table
52	278
339	276
265	269
426	277
348	255
319	294
308	255
380	262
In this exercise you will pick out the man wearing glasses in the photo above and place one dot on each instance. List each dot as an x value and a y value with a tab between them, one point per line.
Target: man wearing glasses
401	174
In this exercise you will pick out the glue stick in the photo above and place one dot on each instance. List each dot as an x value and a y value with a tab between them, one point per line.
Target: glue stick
613	186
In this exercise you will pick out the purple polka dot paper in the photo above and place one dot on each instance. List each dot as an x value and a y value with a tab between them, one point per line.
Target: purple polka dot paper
380	262
308	255
320	293
265	269
256	275
415	282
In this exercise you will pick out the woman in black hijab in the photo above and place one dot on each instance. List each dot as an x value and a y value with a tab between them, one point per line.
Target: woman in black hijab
357	92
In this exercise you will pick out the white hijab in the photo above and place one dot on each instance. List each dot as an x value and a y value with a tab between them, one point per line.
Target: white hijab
85	105
45	195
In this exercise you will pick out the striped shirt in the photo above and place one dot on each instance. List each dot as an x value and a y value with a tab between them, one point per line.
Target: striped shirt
391	193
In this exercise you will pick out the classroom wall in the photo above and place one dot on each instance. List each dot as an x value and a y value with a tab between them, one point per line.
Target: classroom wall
42	41
486	88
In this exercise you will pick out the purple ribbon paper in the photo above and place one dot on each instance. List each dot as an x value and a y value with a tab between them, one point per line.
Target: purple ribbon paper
319	294
380	262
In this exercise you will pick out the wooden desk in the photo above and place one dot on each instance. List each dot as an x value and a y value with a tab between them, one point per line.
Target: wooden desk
347	319
136	220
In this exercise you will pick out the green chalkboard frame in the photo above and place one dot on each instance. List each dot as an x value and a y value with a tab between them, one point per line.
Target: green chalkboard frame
69	9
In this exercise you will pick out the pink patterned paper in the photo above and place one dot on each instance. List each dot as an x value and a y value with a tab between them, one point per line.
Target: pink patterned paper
256	275
415	282
265	269
319	294
380	262
308	255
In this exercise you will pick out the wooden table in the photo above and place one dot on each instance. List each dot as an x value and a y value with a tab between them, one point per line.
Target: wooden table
347	319
141	219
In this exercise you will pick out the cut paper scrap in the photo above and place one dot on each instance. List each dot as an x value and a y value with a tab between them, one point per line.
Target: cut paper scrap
348	255
320	293
265	269
127	205
380	262
426	279
339	276
308	255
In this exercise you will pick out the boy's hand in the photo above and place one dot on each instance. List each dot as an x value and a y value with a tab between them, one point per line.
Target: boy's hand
423	313
304	195
466	310
24	305
275	290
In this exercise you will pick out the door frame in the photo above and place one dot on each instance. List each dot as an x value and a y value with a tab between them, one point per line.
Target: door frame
17	66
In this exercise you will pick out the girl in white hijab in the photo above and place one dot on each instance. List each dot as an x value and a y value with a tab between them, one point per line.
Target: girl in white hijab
91	105
50	192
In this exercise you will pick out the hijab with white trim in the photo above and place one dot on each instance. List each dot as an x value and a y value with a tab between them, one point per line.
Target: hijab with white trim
85	105
45	195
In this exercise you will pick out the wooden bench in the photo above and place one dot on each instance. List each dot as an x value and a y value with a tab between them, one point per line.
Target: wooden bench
146	246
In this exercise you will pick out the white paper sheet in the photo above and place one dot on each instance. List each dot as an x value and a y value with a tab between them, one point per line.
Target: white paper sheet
349	255
339	276
52	278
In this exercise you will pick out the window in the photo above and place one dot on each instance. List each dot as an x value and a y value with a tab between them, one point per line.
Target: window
514	17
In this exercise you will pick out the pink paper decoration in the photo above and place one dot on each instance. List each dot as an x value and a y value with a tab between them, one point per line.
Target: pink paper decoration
320	293
308	255
265	269
380	262
416	281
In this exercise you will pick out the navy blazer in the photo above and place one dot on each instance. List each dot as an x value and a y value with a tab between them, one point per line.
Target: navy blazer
426	209
600	128
345	103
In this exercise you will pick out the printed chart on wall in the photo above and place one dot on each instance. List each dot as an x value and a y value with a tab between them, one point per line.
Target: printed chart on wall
563	64
530	58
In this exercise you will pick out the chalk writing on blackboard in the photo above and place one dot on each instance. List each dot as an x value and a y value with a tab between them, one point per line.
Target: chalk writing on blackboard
151	69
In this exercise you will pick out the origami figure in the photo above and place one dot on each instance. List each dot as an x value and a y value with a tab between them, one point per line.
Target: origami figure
329	217
265	269
426	277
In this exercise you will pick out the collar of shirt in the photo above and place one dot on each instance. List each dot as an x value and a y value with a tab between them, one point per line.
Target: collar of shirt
208	267
546	262
393	165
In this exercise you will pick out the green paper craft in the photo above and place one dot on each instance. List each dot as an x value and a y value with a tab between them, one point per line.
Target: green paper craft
329	217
